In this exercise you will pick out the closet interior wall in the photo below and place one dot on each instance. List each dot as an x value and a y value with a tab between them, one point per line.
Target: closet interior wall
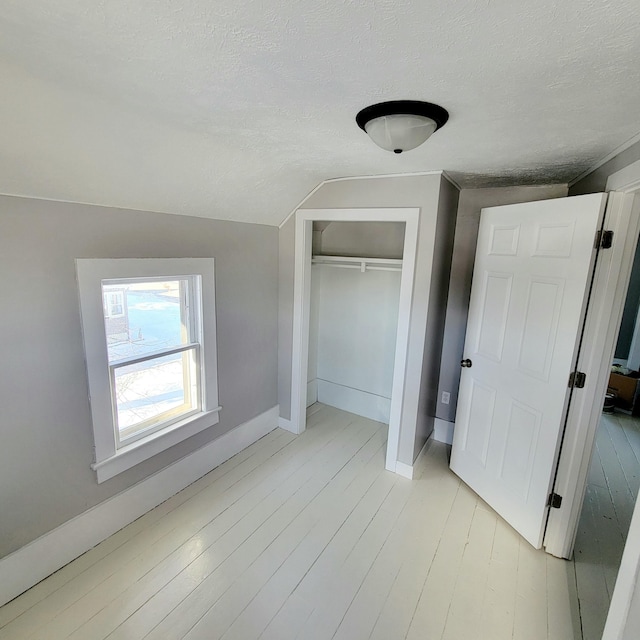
354	315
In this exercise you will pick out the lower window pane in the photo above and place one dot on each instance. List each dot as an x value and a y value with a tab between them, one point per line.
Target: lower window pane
150	393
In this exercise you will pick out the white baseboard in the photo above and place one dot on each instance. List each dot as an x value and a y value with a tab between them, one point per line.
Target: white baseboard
361	403
312	392
443	431
35	561
287	425
422	452
404	470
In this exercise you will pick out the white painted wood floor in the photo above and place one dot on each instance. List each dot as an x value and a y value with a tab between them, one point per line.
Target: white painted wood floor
308	537
612	489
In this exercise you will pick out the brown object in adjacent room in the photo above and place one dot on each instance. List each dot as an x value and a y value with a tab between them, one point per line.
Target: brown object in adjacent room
625	388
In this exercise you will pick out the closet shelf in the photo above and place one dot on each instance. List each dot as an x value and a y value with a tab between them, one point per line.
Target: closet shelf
363	264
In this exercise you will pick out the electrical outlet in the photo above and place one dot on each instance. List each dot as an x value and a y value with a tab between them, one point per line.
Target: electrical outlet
446	396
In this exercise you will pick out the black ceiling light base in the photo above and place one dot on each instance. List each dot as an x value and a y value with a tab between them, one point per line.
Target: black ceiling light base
405	107
401	125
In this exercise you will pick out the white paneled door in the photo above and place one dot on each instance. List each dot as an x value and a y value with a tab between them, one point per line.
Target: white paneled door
531	278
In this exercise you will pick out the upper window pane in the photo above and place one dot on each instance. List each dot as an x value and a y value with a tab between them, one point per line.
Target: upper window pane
145	317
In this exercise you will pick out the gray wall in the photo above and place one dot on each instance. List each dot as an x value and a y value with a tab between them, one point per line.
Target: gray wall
45	423
466	234
436	322
361	239
628	322
596	181
401	191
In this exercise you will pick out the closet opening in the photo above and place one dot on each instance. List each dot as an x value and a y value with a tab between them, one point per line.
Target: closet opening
353	322
353	301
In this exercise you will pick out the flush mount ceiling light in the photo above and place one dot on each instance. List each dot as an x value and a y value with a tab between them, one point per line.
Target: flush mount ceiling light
401	125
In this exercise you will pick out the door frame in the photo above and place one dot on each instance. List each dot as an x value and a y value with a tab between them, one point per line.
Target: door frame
611	281
301	313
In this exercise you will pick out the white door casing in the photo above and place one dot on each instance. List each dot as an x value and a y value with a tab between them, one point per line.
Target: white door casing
598	345
301	314
528	299
608	297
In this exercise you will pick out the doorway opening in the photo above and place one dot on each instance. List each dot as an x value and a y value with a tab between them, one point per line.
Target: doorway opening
302	313
613	479
611	283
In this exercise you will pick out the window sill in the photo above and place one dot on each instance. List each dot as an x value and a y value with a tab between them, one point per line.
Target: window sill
145	448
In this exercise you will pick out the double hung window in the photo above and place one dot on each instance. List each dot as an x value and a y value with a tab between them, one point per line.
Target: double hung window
149	333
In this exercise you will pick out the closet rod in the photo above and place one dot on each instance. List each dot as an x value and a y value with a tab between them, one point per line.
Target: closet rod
363	264
367	267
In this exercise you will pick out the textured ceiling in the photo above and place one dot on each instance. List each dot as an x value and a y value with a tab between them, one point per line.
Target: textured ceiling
236	109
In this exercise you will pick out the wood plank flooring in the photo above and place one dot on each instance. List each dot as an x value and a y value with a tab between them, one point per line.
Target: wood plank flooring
612	489
308	537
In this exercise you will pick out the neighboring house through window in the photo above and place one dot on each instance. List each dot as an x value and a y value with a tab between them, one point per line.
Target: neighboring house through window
149	334
113	302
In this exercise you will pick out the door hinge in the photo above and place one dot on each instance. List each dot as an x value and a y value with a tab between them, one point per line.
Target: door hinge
554	501
604	239
577	380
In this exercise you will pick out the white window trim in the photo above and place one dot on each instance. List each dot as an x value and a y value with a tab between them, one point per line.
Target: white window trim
109	459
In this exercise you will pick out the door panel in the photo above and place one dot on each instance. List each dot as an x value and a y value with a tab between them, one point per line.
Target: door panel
537	342
482	406
531	275
496	297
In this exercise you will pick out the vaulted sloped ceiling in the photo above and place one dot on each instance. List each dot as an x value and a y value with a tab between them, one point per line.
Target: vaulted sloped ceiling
236	109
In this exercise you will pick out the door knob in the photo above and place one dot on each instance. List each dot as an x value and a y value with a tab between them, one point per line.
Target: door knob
466	363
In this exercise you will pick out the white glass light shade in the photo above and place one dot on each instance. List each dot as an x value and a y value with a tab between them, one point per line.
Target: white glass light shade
400	132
